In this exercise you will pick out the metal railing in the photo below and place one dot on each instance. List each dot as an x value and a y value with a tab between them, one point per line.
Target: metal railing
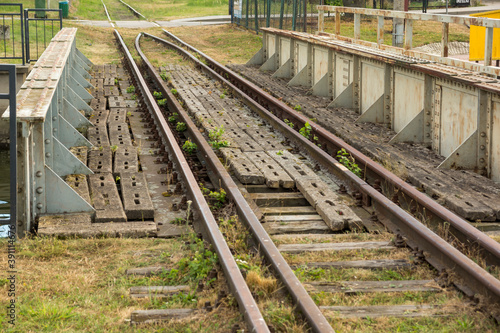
48	112
408	18
11	96
10	33
25	33
47	30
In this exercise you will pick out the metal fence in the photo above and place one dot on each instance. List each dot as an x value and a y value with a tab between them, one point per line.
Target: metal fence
25	33
39	28
301	15
297	15
11	96
12	31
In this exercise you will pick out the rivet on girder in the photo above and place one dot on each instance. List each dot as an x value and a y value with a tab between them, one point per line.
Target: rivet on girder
39	190
39	174
47	155
47	141
39	206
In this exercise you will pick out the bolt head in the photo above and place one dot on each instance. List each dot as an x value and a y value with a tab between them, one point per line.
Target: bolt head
39	206
39	190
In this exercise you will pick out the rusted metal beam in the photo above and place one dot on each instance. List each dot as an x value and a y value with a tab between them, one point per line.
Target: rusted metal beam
488	46
380	31
408	34
241	292
442	254
349	45
303	301
444	40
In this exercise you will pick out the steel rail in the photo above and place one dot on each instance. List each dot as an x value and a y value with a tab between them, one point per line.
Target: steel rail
241	292
426	205
471	278
300	296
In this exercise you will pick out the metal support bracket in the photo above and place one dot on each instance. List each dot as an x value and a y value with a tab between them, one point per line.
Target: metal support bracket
270	64
464	156
82	57
78	102
73	116
69	136
79	89
61	198
322	87
65	163
344	100
301	79
412	132
284	71
374	114
257	59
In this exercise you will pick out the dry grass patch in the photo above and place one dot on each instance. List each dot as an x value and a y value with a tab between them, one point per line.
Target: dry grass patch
160	55
261	284
225	43
331	238
464	321
80	284
346	255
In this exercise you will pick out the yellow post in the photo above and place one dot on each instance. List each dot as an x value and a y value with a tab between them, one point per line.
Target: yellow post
477	39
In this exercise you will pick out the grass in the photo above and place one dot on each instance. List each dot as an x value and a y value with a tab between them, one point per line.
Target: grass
70	284
333	238
363	254
88	10
224	43
464	322
163	10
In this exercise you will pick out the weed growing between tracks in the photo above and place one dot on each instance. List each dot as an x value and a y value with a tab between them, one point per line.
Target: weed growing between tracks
276	307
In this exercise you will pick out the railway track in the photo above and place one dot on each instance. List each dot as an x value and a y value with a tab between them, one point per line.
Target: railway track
122	11
283	190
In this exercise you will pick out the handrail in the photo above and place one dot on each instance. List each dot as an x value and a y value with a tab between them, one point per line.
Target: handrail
408	17
48	112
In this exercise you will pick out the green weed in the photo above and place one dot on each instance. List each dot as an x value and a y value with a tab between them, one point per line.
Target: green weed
215	137
348	161
306	131
189	147
181	127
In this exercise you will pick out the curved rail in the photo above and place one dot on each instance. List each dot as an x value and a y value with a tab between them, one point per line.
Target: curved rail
237	283
471	277
301	298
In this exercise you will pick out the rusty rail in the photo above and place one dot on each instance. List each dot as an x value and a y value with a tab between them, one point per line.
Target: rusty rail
301	298
241	292
441	254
